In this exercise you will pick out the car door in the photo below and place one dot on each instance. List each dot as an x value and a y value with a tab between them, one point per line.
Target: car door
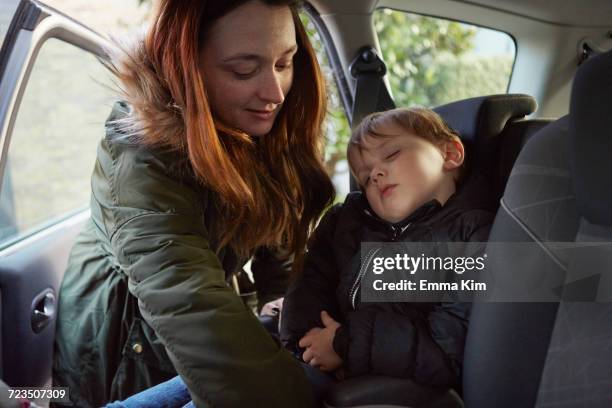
53	101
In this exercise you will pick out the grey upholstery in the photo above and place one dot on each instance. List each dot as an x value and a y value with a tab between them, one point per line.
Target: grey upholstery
512	139
507	343
551	354
375	391
591	128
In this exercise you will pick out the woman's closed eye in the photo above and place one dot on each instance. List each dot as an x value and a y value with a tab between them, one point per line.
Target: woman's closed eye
244	74
242	69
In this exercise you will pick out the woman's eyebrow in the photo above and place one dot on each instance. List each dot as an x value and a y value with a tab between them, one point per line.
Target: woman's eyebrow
243	57
255	57
291	50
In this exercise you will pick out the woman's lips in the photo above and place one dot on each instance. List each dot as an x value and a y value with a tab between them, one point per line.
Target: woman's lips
387	190
261	114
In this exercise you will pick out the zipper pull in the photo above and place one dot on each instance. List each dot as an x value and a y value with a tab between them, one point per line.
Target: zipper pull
396	232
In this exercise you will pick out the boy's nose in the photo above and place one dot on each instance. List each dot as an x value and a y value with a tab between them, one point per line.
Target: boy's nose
377	174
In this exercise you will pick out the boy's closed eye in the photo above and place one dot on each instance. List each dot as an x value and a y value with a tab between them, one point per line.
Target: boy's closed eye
392	155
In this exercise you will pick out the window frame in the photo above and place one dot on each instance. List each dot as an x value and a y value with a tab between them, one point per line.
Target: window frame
32	26
342	83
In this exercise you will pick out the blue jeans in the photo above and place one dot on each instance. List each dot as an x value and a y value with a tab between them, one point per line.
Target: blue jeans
173	393
170	394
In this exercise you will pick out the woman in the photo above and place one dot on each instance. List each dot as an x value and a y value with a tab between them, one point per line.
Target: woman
214	153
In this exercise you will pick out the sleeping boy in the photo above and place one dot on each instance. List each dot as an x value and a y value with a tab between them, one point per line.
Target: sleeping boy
411	173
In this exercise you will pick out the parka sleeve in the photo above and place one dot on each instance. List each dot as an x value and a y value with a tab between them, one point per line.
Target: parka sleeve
271	270
215	343
314	290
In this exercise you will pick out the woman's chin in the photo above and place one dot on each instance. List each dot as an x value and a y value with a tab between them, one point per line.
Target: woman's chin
258	130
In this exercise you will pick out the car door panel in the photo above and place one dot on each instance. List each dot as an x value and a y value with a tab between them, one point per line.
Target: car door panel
32	257
33	269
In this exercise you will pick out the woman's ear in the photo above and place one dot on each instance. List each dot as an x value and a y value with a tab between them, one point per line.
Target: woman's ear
454	154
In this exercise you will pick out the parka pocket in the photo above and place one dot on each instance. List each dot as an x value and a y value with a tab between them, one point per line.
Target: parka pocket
143	345
144	362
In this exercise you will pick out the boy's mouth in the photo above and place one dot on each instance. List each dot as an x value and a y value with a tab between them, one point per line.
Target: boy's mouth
386	190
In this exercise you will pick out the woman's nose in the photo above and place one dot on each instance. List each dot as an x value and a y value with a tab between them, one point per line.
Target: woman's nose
271	89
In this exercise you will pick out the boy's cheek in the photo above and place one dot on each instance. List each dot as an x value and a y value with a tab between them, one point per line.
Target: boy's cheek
372	197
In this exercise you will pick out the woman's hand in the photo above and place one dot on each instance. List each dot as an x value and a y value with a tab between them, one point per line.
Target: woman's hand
272	308
318	343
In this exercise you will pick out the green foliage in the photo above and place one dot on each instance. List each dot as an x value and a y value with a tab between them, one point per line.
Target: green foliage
430	60
468	76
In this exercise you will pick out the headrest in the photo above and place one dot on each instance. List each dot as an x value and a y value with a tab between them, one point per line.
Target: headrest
480	121
590	127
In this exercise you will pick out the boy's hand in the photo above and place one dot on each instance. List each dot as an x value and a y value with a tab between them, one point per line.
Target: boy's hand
318	343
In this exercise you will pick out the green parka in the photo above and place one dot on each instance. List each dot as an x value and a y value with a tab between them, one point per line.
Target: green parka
145	296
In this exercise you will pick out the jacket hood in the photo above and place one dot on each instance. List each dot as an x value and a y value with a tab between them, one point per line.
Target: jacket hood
153	113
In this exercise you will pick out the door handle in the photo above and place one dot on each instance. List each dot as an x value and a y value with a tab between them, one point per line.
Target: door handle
43	310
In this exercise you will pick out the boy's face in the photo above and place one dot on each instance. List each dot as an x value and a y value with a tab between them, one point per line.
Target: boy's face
402	172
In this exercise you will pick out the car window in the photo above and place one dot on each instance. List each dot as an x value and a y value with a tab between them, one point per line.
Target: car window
109	18
53	143
7	10
432	61
336	126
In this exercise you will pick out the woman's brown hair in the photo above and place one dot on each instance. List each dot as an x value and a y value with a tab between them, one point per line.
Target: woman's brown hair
272	189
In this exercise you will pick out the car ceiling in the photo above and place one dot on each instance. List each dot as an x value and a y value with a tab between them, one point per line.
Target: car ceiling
584	13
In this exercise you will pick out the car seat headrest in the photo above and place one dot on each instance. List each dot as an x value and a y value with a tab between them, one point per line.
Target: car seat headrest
480	120
590	127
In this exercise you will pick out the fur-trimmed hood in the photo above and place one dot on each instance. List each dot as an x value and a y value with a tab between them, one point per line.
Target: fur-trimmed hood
154	114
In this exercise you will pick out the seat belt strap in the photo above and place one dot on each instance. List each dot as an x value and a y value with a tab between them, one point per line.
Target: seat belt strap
371	94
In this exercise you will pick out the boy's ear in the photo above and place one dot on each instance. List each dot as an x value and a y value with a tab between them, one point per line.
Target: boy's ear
454	154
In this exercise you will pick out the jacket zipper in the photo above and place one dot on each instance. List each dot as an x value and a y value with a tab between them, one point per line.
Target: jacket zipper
362	271
397	232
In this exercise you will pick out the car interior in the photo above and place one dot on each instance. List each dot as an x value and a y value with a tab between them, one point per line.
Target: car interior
542	145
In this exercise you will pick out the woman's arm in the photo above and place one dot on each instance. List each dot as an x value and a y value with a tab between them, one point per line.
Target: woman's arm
271	270
314	290
156	229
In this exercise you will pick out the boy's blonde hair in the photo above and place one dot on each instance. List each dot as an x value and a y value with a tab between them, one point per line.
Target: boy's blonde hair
421	122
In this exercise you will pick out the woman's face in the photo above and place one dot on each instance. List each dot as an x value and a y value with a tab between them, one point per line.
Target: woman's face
247	65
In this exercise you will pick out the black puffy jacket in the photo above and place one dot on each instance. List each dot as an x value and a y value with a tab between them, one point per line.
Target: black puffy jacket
422	341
